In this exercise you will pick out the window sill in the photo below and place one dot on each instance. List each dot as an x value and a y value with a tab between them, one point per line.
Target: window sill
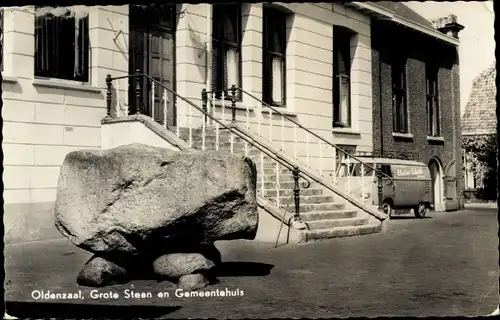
239	105
283	110
349	131
68	85
406	136
435	139
12	80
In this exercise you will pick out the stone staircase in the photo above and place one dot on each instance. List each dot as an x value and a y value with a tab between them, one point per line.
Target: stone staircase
323	215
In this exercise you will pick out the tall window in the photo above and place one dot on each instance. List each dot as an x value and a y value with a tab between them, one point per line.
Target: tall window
226	46
431	75
274	43
342	77
61	45
399	103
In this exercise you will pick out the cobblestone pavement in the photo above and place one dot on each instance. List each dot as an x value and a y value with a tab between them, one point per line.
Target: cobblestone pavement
444	265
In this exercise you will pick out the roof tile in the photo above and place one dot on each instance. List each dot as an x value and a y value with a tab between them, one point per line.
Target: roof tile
480	112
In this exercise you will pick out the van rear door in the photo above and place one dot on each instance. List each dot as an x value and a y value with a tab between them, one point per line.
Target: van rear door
409	184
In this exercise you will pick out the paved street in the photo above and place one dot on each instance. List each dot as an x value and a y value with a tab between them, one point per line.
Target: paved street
444	265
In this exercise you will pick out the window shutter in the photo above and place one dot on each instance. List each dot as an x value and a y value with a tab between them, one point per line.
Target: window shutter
224	72
215	66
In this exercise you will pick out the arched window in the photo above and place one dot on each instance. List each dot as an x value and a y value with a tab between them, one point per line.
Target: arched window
432	90
399	101
342	77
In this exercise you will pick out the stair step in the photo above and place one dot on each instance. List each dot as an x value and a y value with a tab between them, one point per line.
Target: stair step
305	199
348	231
283	185
270	193
335	223
211	145
308	207
328	214
209	138
272	178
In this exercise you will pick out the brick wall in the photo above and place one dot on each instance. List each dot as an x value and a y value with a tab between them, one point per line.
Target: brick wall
385	38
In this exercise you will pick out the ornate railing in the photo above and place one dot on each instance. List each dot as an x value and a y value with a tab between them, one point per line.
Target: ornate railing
307	161
279	162
312	151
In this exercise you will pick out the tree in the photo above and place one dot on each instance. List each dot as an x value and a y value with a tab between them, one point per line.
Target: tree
481	155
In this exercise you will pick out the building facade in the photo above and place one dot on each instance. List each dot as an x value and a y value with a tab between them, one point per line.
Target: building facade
313	61
477	41
55	62
416	102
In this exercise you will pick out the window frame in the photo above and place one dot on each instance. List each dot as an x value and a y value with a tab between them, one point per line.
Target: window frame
341	37
400	117
49	45
279	22
432	99
219	42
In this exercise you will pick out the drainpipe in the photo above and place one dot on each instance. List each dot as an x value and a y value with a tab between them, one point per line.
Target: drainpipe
381	104
208	58
208	49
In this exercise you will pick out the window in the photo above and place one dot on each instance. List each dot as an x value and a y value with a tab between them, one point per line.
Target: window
433	114
226	47
274	47
399	103
61	44
342	77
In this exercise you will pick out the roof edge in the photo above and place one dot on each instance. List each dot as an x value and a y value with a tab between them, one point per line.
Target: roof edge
385	14
479	133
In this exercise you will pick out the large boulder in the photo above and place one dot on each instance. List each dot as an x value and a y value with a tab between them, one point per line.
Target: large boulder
192	282
98	272
137	199
176	265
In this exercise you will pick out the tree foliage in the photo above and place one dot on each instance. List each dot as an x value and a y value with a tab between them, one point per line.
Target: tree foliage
480	157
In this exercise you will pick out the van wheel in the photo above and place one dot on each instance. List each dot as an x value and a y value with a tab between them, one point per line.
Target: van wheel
421	211
387	209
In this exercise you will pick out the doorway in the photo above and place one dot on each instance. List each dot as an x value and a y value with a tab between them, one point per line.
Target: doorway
152	52
451	187
437	184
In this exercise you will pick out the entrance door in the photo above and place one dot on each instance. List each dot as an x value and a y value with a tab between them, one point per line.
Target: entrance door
151	51
451	201
437	185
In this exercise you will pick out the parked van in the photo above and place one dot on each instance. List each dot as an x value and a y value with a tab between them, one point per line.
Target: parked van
406	184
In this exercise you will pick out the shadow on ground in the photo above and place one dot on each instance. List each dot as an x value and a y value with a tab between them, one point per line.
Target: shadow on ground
409	218
39	310
243	269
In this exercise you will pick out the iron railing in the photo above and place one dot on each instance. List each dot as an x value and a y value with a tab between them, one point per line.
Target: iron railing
340	165
295	170
347	171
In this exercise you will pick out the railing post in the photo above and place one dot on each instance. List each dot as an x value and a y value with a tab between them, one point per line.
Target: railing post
379	188
233	101
137	91
108	95
204	99
296	192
